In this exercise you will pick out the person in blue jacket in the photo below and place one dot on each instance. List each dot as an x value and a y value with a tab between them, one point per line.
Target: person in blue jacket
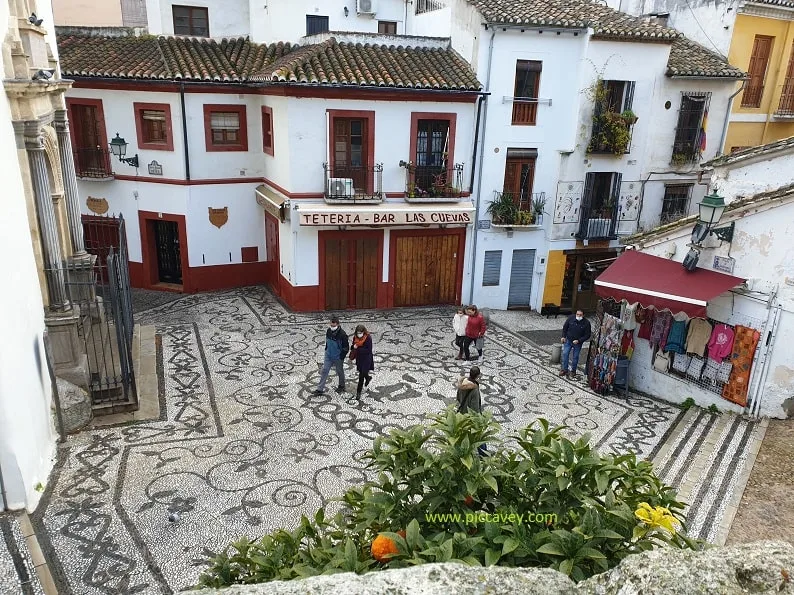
336	348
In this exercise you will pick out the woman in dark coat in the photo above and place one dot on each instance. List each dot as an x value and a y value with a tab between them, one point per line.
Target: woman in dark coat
361	351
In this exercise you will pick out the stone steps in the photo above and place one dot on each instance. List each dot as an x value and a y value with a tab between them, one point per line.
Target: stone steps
708	458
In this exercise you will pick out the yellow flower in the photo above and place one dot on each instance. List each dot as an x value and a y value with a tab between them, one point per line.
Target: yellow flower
657	516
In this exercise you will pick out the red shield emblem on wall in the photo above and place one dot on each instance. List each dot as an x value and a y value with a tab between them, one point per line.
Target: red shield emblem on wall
219	217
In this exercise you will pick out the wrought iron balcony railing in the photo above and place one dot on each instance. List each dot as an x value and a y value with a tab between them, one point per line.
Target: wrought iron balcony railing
353	183
92	163
785	107
597	224
432	183
423	6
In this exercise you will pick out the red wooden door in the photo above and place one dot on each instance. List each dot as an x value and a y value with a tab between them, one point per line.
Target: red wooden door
272	255
351	273
426	270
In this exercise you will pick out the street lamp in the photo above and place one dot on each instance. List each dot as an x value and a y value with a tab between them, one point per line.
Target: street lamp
710	211
118	146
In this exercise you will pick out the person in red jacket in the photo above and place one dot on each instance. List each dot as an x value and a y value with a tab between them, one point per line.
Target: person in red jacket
475	329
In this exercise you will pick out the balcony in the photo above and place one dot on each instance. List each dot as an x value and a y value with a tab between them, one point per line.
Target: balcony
432	183
785	109
612	133
423	6
92	164
353	184
509	210
685	154
597	224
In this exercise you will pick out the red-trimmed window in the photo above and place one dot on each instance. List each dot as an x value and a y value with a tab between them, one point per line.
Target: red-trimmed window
153	123
432	148
225	127
267	130
89	138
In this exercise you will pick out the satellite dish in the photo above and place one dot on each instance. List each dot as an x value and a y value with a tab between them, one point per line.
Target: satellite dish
691	260
699	233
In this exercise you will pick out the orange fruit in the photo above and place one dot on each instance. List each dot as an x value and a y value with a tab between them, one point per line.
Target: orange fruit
401	533
468	501
382	548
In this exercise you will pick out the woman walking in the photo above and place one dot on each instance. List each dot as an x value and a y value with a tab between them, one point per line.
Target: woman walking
459	326
475	329
361	351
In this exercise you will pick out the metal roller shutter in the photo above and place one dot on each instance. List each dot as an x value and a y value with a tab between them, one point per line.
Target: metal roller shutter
521	278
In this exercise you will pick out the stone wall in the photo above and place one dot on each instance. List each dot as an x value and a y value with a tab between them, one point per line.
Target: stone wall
763	567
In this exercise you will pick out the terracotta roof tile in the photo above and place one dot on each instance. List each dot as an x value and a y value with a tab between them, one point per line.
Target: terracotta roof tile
784	144
573	14
373	65
240	60
784	3
688	58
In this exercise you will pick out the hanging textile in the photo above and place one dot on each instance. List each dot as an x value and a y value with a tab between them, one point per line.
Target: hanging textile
644	317
676	338
698	335
627	344
721	342
661	328
627	316
744	344
603	373
611	334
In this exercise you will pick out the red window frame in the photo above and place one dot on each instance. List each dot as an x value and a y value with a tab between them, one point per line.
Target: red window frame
139	108
449	117
268	144
209	109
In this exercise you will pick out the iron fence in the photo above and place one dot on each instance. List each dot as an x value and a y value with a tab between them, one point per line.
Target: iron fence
433	181
92	163
423	6
100	291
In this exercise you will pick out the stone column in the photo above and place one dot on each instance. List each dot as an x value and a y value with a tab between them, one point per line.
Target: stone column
51	247
61	125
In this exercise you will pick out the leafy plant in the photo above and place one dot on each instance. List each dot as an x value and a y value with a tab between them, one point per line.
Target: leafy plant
680	159
503	209
688	404
611	129
590	510
538	204
713	409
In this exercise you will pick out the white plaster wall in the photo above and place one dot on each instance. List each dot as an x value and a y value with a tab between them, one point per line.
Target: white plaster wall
436	23
308	129
752	176
555	132
27	436
709	22
209	245
763	253
279	165
285	20
287	250
227	18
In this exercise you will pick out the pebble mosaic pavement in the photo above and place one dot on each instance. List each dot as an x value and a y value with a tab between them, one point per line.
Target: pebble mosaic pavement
244	447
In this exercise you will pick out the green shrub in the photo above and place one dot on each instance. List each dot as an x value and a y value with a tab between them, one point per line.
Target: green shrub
607	507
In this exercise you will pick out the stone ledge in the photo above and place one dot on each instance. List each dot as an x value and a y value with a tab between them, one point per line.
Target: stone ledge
762	567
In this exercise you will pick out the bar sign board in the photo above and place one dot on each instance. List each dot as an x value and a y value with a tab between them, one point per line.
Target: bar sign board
724	264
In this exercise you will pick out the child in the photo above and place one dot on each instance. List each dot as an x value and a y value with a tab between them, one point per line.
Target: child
459	326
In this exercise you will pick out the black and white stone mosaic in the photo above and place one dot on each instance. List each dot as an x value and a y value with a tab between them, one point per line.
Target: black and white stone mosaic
246	447
17	572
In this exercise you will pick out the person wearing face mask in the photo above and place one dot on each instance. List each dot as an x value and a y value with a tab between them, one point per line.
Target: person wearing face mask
362	353
336	348
575	332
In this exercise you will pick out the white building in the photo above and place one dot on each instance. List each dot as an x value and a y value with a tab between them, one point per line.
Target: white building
759	194
277	164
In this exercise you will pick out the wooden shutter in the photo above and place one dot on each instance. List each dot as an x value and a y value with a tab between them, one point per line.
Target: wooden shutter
512	176
786	106
759	60
492	268
628	100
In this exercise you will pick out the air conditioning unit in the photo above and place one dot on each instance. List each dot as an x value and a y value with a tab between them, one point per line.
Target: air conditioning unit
366	6
340	187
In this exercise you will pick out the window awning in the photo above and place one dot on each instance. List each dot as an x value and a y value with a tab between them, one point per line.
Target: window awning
663	284
271	201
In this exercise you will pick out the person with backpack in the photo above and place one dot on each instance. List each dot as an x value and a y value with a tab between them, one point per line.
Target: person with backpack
336	348
469	398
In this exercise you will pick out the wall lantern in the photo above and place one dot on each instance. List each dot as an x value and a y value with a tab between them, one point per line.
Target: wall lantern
347	12
118	146
710	211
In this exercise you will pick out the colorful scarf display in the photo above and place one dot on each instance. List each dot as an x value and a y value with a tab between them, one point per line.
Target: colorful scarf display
744	343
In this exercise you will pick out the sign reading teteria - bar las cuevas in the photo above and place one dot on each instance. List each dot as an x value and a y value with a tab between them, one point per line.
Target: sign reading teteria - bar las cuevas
387	218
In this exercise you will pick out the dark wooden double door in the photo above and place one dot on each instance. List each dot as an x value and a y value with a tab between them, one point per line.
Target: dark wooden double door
169	253
426	269
351	272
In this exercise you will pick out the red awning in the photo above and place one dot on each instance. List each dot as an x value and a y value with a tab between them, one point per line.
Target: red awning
663	284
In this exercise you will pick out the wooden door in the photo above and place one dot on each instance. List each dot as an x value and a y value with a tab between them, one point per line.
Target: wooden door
426	270
350	151
89	149
351	273
519	178
169	260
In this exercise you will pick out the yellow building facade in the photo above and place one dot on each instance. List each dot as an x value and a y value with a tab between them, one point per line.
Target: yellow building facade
763	45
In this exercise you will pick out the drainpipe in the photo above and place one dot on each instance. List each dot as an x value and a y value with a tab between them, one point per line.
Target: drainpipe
476	140
728	116
184	130
3	491
482	154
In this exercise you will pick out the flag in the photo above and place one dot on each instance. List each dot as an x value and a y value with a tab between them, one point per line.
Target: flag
703	132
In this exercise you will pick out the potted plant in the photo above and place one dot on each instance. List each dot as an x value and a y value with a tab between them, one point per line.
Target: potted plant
538	204
629	117
679	159
502	209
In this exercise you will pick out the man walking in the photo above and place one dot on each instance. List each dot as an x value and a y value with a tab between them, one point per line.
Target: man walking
336	348
575	331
